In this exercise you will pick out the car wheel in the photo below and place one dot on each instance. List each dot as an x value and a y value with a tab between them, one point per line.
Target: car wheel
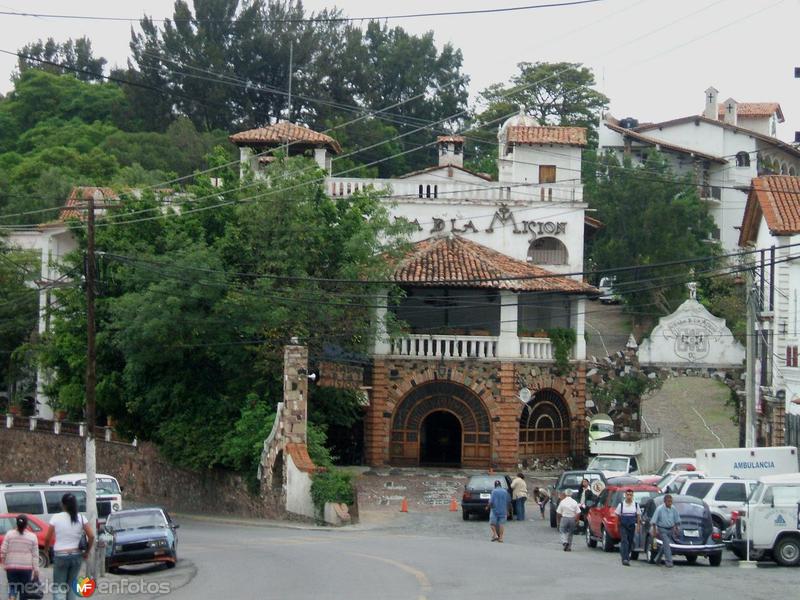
44	559
692	558
590	541
787	552
465	515
552	517
650	554
608	543
715	559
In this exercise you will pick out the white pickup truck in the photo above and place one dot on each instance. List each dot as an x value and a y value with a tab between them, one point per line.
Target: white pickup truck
627	453
770	523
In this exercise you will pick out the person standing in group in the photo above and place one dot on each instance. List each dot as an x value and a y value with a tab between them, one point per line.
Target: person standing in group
67	529
582	496
519	496
566	514
498	505
20	557
630	521
666	521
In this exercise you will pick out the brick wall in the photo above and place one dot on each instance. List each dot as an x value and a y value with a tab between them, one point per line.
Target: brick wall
148	478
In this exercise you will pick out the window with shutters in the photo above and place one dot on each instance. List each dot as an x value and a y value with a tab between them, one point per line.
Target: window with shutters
548	251
547	173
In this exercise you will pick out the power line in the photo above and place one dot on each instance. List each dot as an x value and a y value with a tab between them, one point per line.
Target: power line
321	19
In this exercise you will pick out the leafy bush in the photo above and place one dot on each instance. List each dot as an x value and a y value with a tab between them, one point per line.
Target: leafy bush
563	341
331	485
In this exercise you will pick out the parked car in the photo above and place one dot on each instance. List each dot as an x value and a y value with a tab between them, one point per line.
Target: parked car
109	492
141	536
602	522
672	482
600	426
37	526
478	490
723	495
572	480
697	535
608	295
669	466
39	499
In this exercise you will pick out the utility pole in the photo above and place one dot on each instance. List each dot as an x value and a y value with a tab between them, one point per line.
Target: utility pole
91	381
289	99
750	365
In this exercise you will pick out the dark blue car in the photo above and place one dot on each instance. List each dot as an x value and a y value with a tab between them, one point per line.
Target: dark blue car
141	536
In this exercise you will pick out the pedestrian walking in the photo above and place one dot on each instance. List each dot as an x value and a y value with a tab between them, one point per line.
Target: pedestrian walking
541	497
20	557
666	521
566	514
67	530
519	496
629	522
498	505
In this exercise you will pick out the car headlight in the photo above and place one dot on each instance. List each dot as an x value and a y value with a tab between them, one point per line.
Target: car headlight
162	543
115	507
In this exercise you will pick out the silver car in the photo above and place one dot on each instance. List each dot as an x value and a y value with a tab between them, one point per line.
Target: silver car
723	495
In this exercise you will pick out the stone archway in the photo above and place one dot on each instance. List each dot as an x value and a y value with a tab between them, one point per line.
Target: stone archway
441	439
544	426
425	400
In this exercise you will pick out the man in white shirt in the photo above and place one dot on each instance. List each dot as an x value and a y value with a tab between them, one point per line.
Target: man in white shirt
566	514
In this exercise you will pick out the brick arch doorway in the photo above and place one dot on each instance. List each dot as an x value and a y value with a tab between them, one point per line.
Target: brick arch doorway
440	440
423	409
544	426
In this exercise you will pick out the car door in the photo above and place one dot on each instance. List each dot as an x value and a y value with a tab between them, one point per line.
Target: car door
731	495
595	515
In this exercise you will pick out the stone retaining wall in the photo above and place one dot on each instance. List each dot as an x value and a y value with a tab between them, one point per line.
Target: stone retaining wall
146	477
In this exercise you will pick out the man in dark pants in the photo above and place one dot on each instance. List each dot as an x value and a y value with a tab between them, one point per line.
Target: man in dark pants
666	522
629	521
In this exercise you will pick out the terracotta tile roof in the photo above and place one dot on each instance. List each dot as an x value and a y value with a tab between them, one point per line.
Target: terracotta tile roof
284	132
300	457
777	199
454	261
753	109
78	197
630	133
569	136
443	139
788	148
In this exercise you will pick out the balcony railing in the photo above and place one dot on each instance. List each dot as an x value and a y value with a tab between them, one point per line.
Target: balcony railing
347	186
468	346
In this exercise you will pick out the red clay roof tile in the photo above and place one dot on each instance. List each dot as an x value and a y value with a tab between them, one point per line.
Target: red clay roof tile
570	136
284	132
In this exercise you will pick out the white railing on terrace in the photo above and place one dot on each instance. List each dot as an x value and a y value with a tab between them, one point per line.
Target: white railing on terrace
468	346
444	346
551	192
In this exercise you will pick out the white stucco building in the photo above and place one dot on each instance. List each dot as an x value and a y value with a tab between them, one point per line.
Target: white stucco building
724	147
771	225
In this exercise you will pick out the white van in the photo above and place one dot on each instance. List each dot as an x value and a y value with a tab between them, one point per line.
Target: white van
771	521
38	499
109	493
747	463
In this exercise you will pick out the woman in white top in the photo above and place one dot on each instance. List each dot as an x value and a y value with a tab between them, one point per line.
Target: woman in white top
20	557
66	530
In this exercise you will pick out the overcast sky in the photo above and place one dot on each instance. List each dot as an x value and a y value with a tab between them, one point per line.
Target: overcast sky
653	58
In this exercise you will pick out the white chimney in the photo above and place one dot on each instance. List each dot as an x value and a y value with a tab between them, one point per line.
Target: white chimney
710	111
451	150
729	107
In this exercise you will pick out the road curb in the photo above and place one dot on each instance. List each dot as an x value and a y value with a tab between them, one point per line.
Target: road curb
267	523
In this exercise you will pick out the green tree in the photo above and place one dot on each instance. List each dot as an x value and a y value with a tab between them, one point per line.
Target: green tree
650	215
74	54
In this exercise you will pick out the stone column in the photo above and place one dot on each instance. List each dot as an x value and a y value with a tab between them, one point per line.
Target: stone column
508	346
505	421
377	427
578	320
295	391
381	345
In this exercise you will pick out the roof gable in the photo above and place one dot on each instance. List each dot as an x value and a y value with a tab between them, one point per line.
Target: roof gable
284	132
753	109
454	261
776	198
659	144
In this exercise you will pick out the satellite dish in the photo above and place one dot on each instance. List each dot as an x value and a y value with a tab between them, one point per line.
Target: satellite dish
524	395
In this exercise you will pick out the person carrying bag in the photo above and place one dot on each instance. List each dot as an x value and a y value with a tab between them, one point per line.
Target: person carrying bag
20	557
66	536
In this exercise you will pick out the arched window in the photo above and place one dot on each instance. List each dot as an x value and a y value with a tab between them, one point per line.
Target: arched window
548	251
544	425
742	159
420	190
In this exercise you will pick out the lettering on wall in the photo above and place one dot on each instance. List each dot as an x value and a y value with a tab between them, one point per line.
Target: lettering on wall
502	218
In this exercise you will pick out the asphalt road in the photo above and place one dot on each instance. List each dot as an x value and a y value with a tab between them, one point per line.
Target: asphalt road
432	556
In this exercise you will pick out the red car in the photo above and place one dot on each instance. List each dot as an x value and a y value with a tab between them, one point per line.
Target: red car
8	521
603	524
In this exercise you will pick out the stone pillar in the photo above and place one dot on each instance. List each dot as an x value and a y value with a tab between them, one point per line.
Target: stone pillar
295	391
578	320
505	421
381	346
508	346
377	426
580	425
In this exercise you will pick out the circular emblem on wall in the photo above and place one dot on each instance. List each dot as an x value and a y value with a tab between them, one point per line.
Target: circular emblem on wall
524	395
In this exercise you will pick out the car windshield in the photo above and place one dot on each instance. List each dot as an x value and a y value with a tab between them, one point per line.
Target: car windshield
105	486
485	482
142	520
690	509
665	468
573	480
756	493
608	463
604	427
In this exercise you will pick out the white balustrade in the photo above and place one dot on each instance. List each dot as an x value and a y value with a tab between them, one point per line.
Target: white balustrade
536	349
467	346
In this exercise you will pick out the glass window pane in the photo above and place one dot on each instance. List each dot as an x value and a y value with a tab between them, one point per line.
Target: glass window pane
731	492
24	502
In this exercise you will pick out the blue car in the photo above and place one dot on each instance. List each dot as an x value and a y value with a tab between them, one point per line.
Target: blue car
141	536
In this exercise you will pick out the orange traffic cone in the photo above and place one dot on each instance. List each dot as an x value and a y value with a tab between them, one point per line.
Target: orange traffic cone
404	506
453	505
